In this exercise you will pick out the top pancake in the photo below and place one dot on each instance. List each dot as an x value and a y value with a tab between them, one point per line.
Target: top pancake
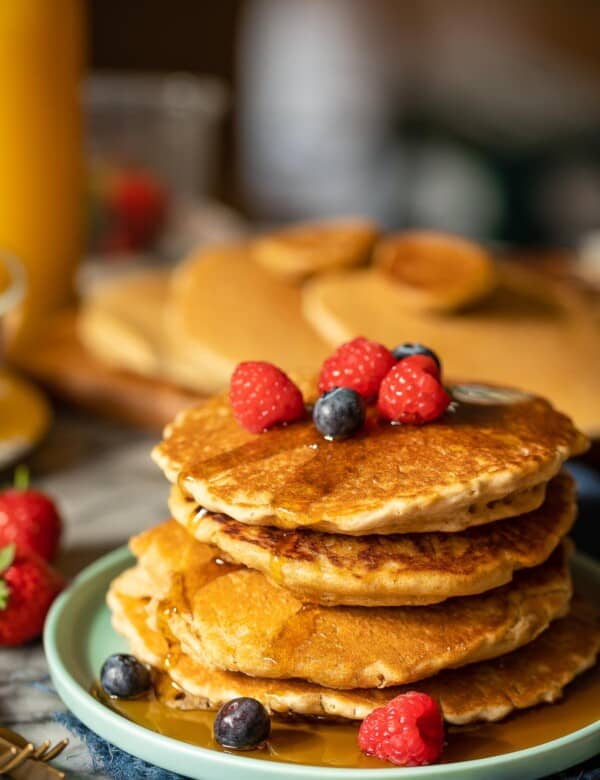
387	479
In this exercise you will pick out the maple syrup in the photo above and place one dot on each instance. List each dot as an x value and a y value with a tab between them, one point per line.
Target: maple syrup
330	744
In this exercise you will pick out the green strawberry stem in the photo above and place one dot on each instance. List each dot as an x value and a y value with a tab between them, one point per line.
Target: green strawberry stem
7	556
21	477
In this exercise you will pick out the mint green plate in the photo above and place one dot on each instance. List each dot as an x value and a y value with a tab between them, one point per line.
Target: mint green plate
78	637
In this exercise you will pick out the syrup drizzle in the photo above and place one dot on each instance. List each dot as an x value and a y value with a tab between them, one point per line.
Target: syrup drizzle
326	744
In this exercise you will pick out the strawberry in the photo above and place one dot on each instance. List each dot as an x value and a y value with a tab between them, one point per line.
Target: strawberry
29	519
359	364
261	395
27	589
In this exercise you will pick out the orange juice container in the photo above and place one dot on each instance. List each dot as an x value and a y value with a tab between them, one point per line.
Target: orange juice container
41	167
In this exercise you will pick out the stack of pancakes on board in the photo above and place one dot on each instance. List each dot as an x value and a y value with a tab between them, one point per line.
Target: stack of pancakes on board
324	578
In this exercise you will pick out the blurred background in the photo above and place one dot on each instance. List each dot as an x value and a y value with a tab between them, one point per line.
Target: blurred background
481	118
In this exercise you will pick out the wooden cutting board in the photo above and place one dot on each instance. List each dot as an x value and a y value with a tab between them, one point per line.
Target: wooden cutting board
62	365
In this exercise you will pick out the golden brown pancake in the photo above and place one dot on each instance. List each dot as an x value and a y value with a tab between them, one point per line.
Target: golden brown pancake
242	622
302	249
436	271
223	308
387	479
489	690
395	570
121	323
531	332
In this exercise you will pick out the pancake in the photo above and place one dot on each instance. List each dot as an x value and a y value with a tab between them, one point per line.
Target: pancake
121	323
531	332
436	271
300	250
220	612
395	570
486	691
387	479
223	308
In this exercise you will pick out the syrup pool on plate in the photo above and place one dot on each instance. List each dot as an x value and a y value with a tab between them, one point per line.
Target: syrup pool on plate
320	743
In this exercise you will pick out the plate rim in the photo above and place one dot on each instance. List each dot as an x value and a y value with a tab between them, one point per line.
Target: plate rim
86	703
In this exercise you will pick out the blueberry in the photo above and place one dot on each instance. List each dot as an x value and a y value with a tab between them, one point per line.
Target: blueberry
408	349
339	413
242	724
124	677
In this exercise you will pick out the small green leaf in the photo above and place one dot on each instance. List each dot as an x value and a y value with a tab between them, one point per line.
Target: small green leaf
21	477
7	556
4	594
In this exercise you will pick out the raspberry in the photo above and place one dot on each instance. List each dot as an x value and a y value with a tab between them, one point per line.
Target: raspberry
423	363
408	731
411	392
359	364
262	395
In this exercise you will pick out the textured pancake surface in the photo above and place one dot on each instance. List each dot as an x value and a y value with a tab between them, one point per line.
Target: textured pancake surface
388	478
241	621
488	690
394	570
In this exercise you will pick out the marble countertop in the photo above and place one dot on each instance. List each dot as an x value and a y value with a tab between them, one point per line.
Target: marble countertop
107	488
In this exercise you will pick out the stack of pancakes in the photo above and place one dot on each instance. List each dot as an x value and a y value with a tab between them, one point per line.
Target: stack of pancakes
324	578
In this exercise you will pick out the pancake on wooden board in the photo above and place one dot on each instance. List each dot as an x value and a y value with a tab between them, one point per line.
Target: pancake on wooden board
485	691
223	308
531	332
444	476
395	570
305	248
242	622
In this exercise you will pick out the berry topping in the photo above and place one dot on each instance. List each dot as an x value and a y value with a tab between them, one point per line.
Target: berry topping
242	724
262	395
359	364
27	589
408	731
124	677
339	413
412	393
406	350
29	519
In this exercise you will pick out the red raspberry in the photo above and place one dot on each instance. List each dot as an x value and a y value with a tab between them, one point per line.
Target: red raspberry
423	363
411	392
262	395
359	364
408	731
27	589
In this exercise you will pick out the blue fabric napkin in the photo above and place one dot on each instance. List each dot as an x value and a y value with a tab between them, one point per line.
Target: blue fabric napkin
110	760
